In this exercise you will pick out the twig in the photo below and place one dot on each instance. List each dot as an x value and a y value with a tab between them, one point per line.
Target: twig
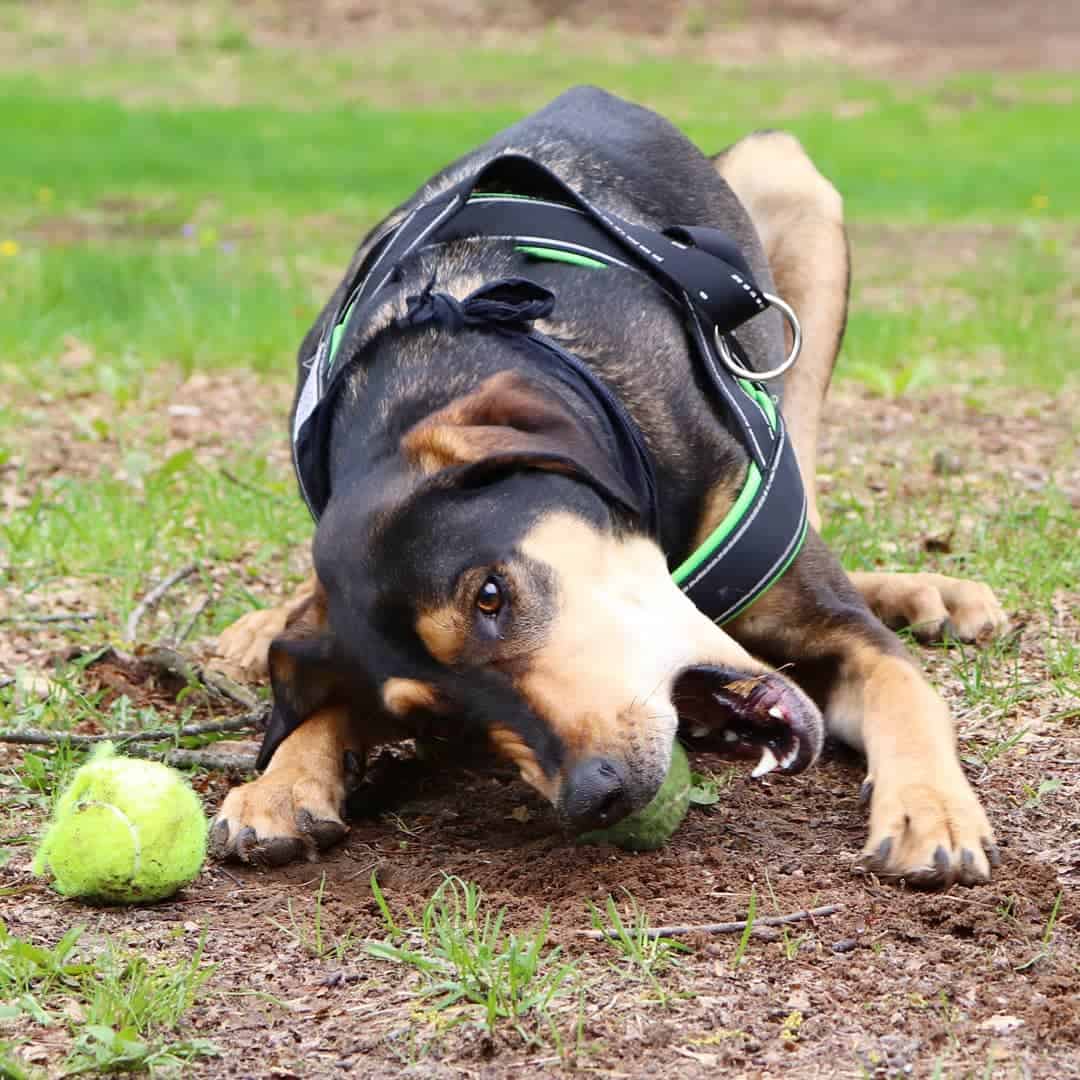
60	738
153	597
720	928
188	625
198	759
75	616
247	486
164	659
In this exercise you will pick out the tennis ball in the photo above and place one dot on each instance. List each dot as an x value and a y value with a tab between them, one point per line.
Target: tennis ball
124	831
651	826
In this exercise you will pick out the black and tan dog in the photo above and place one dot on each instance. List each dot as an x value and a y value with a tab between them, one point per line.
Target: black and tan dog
482	558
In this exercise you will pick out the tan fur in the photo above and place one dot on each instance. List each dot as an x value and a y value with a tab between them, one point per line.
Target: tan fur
930	603
921	799
402	696
242	647
303	786
509	745
443	632
799	216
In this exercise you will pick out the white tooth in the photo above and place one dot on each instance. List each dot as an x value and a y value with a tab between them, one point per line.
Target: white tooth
767	763
698	731
775	713
789	758
730	736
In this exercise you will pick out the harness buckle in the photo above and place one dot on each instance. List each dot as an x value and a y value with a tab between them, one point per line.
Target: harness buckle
725	354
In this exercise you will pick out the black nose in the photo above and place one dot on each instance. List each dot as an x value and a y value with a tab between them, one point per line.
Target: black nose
595	795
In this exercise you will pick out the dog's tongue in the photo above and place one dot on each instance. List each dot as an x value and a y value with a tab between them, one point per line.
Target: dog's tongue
741	715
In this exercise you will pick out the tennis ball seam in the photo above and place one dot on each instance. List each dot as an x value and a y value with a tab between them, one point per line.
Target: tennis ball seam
137	860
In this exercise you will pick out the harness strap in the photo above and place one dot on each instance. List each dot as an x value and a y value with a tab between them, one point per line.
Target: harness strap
699	269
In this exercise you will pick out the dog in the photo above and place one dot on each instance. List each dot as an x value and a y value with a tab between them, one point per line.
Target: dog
514	441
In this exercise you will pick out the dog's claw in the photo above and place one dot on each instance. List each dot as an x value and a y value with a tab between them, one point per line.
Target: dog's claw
992	853
866	792
323	832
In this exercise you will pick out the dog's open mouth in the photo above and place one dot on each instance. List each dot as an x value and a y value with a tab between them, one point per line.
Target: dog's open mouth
740	715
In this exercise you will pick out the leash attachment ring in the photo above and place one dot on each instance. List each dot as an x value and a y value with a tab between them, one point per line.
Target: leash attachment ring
728	358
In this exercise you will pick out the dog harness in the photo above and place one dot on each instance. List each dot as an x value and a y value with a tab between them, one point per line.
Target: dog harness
702	272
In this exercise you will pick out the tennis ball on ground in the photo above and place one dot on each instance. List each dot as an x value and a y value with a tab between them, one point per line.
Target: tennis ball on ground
651	826
124	831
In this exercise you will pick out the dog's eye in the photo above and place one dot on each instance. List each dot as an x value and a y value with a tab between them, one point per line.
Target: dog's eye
489	599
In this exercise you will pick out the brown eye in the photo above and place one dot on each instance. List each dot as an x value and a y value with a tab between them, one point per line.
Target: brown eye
489	599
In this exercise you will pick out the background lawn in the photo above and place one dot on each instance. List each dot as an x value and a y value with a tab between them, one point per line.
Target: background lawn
180	188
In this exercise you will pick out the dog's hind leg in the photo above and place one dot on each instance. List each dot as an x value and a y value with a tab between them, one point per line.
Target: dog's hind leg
799	217
243	645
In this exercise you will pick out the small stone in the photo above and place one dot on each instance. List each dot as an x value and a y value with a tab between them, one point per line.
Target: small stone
1001	1024
947	463
845	945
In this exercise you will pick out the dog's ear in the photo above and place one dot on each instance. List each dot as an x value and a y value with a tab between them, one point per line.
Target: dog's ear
509	421
305	673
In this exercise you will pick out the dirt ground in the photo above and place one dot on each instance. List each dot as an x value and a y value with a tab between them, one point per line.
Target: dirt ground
893	984
963	983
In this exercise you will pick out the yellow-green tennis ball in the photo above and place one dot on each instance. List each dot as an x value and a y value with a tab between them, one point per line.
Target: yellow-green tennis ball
651	827
125	831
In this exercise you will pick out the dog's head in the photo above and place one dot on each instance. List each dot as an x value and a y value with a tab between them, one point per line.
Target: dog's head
489	577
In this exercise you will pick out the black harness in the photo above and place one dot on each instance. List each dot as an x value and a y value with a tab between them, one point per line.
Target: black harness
699	269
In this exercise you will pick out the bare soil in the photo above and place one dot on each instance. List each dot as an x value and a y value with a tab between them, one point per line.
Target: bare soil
895	983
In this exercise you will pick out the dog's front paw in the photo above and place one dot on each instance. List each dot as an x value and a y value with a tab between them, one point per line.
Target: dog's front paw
928	832
285	815
933	606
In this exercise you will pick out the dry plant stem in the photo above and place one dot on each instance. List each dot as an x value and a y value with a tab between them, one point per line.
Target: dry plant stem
59	738
153	598
87	616
720	928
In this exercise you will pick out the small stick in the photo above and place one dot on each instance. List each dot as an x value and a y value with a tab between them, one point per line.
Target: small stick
75	616
153	598
255	489
59	738
721	927
184	630
198	759
171	662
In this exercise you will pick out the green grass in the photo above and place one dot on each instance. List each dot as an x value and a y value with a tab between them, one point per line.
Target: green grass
121	1009
471	967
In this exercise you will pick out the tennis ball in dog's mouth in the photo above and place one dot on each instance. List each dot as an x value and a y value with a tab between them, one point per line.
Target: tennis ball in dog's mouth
652	825
124	831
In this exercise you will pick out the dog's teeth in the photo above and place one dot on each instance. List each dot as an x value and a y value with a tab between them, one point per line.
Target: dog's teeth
698	731
789	758
776	713
767	763
730	736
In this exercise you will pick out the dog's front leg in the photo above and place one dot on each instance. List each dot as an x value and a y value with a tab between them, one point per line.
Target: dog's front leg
296	807
926	824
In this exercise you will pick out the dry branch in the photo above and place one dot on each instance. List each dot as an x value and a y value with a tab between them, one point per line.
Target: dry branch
722	927
153	598
123	739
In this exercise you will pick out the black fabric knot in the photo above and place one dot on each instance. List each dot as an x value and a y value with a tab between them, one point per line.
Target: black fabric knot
510	304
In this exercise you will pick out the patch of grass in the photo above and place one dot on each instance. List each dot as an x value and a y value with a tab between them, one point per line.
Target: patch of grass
744	940
124	526
120	1007
313	935
470	964
646	956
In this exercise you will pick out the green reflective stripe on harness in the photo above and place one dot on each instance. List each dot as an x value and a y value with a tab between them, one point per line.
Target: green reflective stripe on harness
751	485
735	515
555	255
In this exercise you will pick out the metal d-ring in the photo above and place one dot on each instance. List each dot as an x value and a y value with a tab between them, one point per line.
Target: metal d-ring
738	370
